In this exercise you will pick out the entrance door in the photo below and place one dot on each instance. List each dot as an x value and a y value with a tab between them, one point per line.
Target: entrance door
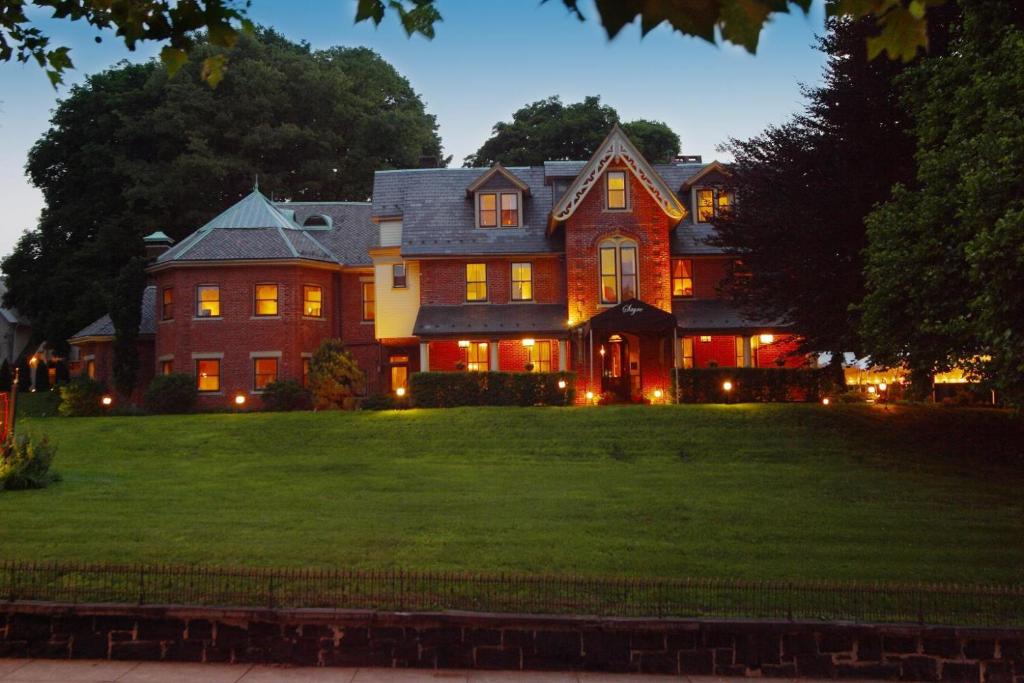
620	373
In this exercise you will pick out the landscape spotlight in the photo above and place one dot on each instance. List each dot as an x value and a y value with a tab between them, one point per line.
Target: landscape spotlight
561	384
107	401
239	399
727	385
590	395
657	394
400	392
883	386
871	389
825	401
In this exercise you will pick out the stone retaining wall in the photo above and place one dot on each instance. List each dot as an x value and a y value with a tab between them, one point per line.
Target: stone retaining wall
502	641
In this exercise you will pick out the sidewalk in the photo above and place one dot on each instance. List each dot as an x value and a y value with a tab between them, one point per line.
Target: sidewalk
64	671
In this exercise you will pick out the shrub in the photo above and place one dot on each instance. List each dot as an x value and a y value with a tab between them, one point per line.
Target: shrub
285	395
449	389
334	375
63	375
754	385
384	402
173	393
26	464
81	398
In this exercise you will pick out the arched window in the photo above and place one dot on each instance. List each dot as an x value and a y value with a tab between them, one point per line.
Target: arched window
317	220
618	263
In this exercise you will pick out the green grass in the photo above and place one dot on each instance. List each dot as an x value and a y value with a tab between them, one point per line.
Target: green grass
751	491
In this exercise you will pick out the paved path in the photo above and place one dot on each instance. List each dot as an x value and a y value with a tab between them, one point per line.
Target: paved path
63	671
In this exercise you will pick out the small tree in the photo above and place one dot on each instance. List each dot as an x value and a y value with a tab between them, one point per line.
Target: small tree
334	375
126	314
42	376
173	393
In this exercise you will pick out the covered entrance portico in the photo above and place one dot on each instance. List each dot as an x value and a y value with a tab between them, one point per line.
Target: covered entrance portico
629	351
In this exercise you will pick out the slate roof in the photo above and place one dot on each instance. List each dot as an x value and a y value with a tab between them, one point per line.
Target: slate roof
104	327
712	315
469	319
256	228
439	220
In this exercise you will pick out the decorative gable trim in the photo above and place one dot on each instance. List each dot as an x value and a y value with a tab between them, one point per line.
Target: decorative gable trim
497	169
617	146
707	170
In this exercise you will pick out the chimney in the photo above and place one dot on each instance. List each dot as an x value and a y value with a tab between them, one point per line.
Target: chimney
688	159
156	244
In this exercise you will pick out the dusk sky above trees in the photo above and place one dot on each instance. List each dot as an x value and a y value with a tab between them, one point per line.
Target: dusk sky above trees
488	60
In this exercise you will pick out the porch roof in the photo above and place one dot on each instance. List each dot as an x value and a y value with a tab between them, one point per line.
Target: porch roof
718	315
499	320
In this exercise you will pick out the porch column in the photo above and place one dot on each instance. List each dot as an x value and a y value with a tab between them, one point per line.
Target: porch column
675	348
746	351
591	387
424	356
492	351
563	355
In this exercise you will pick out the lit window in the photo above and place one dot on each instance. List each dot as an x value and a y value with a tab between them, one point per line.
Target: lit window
264	372
369	302
616	189
522	281
398	275
509	210
399	372
476	357
705	205
682	277
488	209
167	304
305	370
208	301
618	271
540	356
687	352
739	352
166	367
476	282
705	339
208	374
90	369
266	299
312	301
724	202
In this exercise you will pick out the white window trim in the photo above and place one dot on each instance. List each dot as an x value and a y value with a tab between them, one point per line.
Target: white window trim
629	204
617	242
497	203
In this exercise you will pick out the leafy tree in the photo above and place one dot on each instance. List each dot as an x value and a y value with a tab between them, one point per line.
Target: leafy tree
134	149
42	376
806	187
126	314
334	375
898	28
547	129
945	261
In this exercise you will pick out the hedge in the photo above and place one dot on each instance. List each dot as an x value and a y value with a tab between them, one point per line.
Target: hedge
449	389
754	385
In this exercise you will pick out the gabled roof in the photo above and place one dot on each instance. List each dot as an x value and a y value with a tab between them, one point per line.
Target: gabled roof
617	147
710	168
103	328
498	169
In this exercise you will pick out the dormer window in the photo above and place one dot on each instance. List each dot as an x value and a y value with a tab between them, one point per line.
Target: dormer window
487	215
712	203
493	207
509	210
616	190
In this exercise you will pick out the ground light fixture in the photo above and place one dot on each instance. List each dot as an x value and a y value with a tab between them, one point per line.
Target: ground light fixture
400	392
239	399
561	384
825	401
590	395
107	401
871	389
727	385
883	386
658	394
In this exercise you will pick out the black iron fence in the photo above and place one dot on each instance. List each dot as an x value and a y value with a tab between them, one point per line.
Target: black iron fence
397	590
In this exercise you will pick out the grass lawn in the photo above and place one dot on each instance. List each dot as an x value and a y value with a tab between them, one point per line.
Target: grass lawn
750	491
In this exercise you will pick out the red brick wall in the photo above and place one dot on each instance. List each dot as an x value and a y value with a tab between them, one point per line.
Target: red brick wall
721	349
103	356
445	354
707	274
443	282
238	332
646	223
782	347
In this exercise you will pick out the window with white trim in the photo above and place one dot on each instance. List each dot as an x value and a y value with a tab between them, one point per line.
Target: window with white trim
618	264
